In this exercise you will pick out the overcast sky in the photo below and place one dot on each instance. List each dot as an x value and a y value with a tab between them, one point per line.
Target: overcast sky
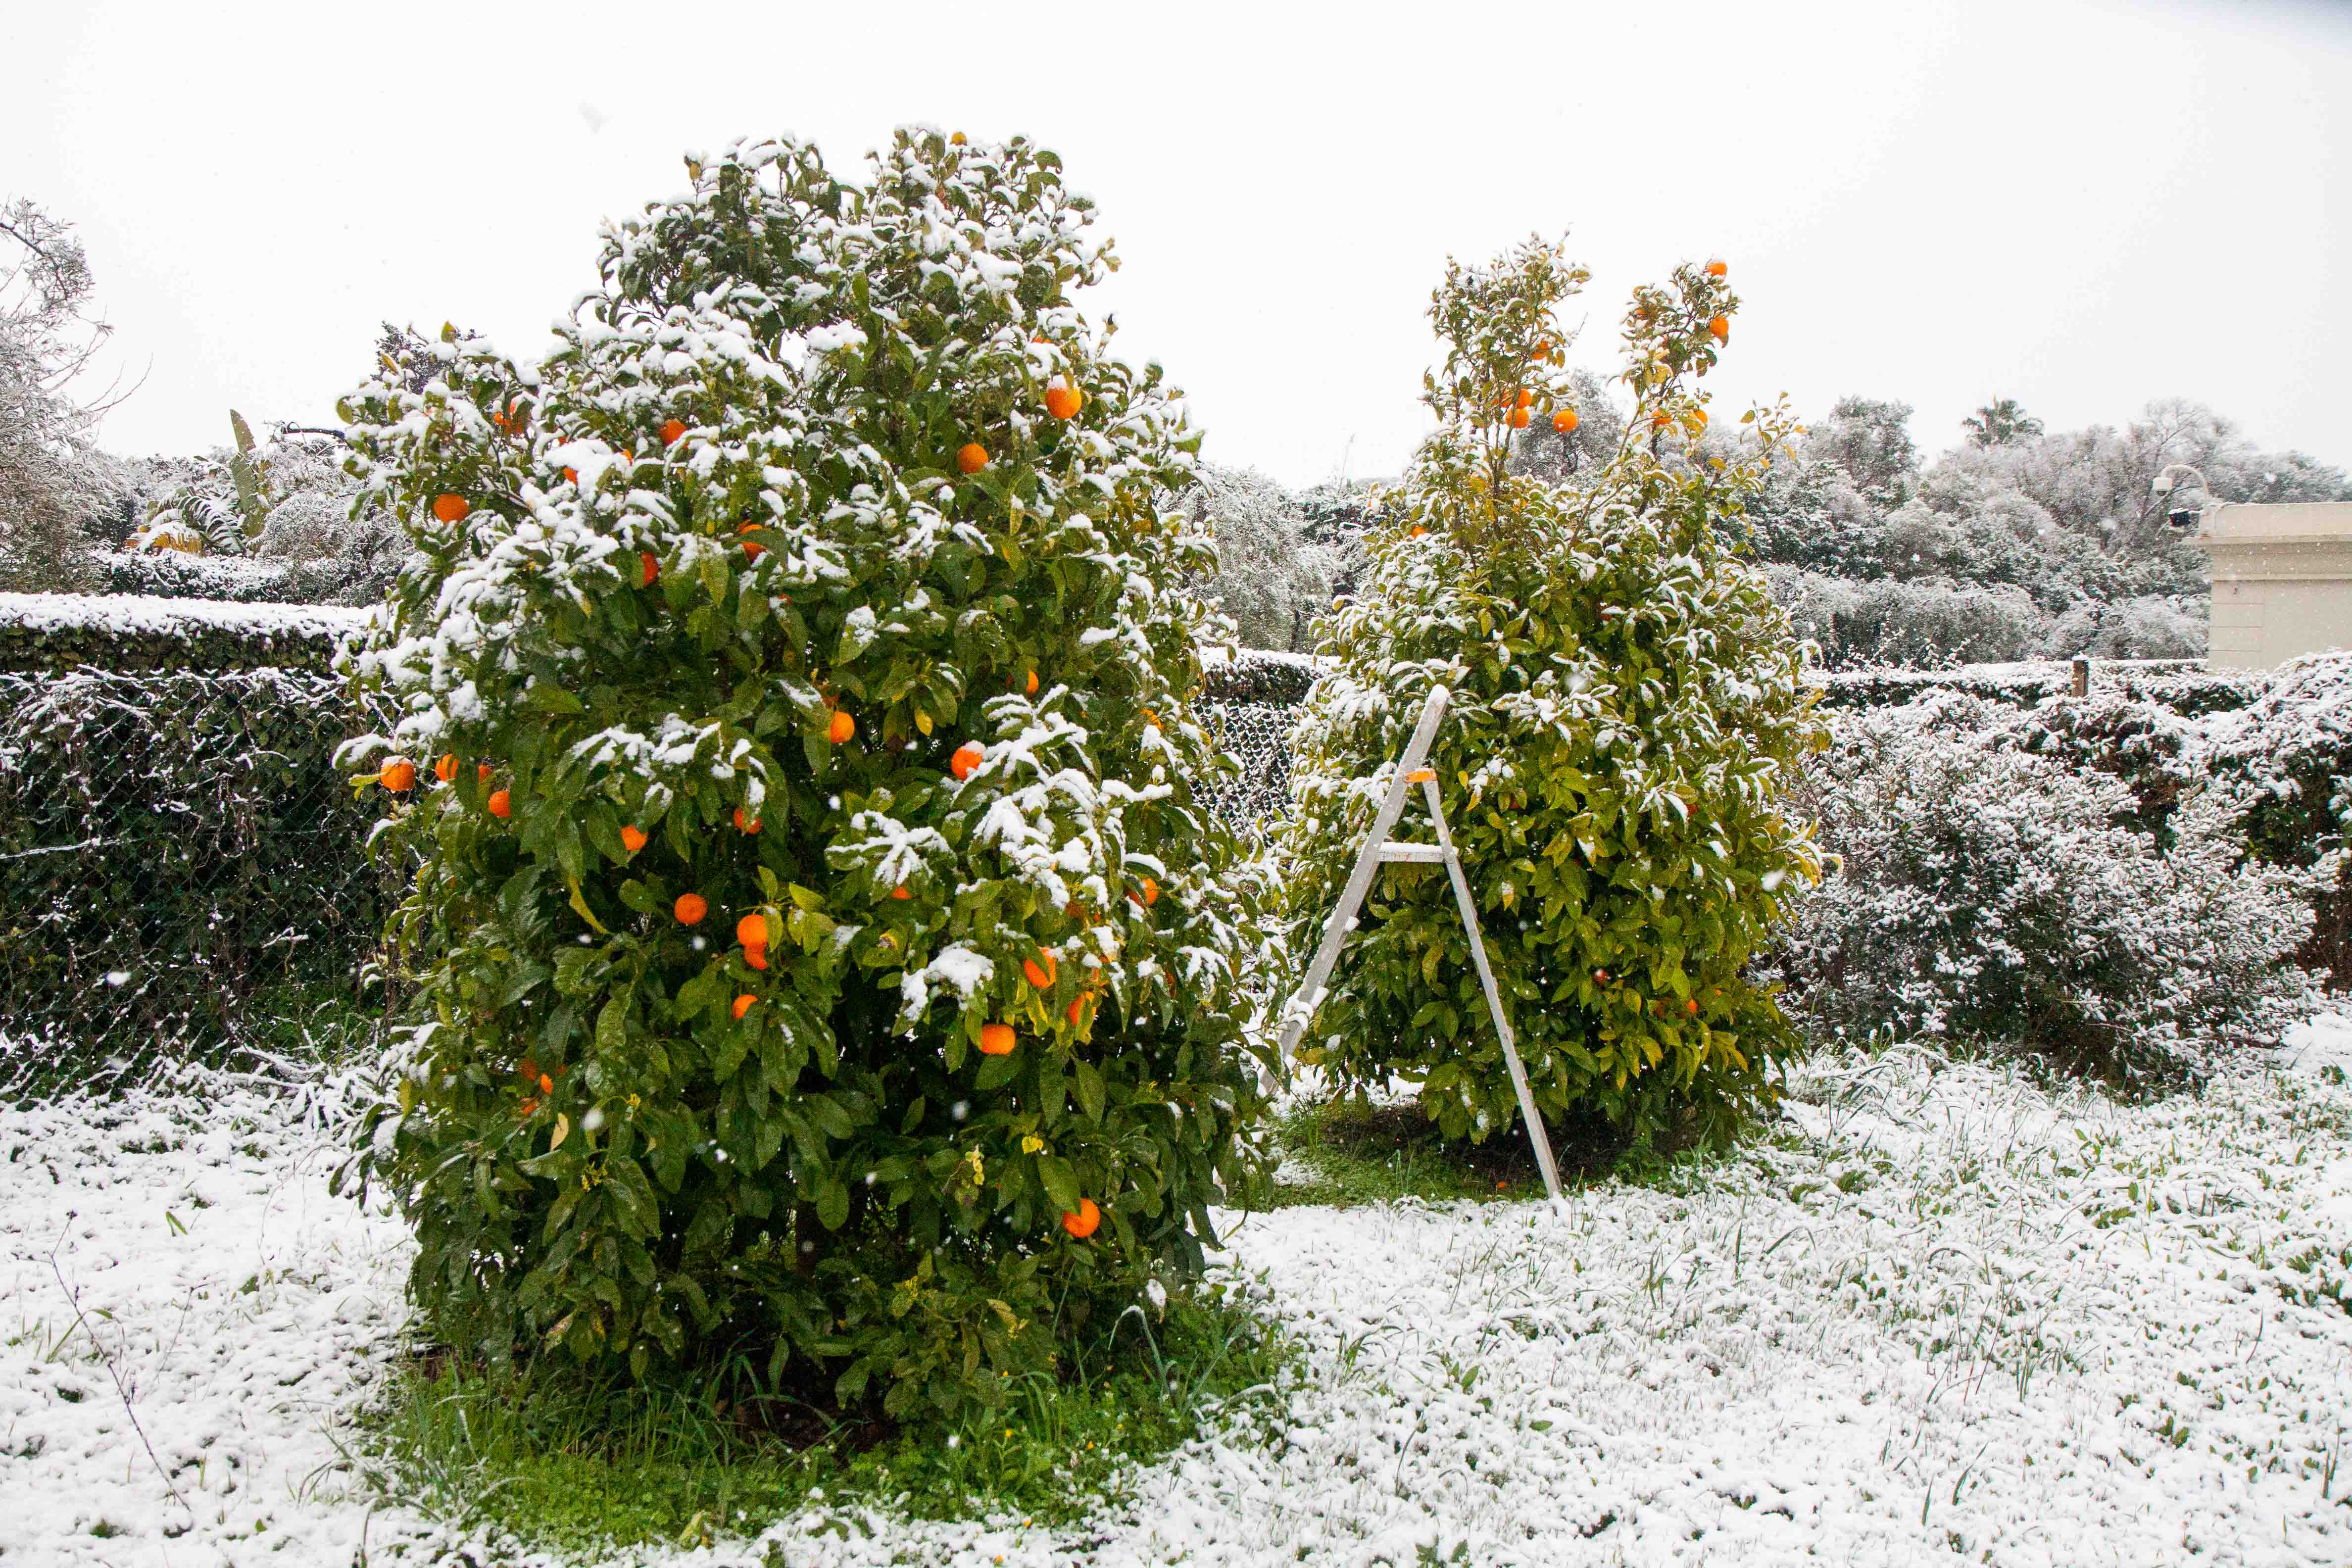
2081	204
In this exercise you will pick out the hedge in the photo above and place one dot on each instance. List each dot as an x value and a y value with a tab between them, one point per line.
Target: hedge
176	850
54	633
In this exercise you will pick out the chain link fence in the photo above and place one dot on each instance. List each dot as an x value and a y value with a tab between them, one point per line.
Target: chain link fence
182	875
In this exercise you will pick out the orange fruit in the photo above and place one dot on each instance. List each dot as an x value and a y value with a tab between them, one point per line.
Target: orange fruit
1691	1006
901	892
1719	328
842	727
751	930
1518	418
481	773
500	804
967	757
743	826
1082	1224
1527	396
632	838
444	766
742	1005
996	1039
1717	267
451	508
757	957
1033	683
650	567
673	431
1078	1006
751	547
689	909
1063	402
1150	891
1564	421
1039	976
1542	349
972	457
399	775
571	476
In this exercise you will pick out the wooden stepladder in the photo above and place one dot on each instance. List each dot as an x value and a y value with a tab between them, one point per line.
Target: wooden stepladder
1410	769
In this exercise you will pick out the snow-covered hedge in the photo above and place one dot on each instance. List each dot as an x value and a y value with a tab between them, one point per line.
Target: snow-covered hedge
2008	896
53	633
235	579
174	848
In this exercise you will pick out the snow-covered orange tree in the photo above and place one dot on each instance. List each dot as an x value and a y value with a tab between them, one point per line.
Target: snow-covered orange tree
1630	708
817	943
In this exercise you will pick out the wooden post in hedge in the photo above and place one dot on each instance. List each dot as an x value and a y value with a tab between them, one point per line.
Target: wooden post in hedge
2081	677
1379	848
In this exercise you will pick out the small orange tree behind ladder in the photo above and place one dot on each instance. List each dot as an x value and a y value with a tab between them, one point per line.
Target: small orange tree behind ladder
1378	848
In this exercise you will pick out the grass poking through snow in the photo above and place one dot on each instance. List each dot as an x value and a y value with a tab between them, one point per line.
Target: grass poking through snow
572	1461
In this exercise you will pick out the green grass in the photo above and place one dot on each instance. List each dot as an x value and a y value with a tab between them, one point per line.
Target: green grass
1380	1153
576	1463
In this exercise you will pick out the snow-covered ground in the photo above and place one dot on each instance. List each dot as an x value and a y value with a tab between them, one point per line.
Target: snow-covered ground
1937	1316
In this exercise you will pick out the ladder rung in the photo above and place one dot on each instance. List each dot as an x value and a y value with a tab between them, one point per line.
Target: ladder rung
1424	854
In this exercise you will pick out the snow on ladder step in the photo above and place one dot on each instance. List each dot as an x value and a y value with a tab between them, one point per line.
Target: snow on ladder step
1423	854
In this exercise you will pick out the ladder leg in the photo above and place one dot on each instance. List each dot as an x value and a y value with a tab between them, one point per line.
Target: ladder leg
1536	1133
1300	1009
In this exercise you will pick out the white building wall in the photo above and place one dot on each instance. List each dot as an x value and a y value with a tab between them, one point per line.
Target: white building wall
2282	581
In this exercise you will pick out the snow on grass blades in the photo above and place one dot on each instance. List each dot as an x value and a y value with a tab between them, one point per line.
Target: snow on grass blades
1630	709
828	483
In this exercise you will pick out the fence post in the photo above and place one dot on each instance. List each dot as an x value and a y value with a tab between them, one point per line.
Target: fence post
2082	676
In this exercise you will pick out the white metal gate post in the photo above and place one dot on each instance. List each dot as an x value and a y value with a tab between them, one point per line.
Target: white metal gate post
1300	1010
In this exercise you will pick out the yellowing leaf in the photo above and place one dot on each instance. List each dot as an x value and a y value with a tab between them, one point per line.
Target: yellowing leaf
562	1131
581	904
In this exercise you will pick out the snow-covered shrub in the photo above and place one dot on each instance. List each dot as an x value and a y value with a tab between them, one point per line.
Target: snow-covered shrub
1629	709
820	953
1922	622
2004	897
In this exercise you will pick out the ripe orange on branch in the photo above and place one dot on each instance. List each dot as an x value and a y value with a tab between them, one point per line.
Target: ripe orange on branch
632	838
648	567
689	909
996	1039
751	930
743	826
399	775
1063	402
673	431
1082	1223
444	766
841	728
1717	267
451	508
972	457
1564	421
967	757
1041	976
500	804
742	1005
1719	328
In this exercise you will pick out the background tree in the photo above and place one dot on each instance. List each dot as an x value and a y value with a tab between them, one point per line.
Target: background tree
56	491
2000	421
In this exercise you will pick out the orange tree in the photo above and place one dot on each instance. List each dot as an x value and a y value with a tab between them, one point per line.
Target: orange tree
817	943
1628	711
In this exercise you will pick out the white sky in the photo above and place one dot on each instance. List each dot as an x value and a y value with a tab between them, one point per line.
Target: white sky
2081	203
